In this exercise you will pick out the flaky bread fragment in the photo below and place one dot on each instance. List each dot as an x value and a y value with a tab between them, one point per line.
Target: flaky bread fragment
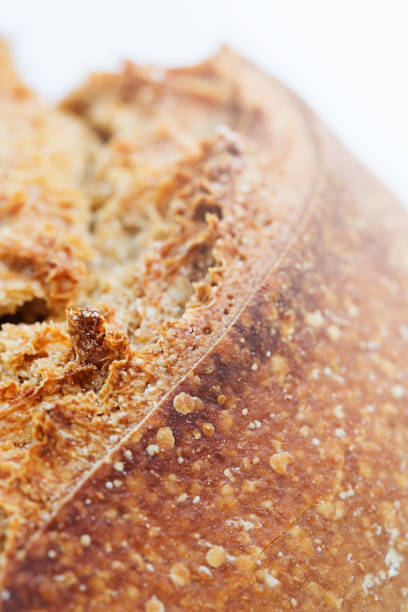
219	420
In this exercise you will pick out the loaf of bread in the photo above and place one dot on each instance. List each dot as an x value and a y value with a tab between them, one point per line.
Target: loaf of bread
203	352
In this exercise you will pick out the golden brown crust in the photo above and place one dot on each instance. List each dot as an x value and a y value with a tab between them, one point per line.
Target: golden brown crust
222	422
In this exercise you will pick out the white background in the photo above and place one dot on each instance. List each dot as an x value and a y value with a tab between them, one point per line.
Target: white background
347	58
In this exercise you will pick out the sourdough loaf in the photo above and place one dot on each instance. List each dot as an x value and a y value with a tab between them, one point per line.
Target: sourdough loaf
203	352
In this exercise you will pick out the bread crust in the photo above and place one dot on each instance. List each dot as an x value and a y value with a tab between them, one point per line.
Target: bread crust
268	471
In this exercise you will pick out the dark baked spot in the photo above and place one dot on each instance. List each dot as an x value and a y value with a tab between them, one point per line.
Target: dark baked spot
203	208
33	311
4	523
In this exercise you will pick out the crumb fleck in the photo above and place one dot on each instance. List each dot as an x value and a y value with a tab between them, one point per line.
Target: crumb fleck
85	539
152	450
368	582
279	462
333	332
229	475
165	438
208	429
398	391
203	569
393	561
216	556
185	403
270	580
180	574
346	494
154	605
314	319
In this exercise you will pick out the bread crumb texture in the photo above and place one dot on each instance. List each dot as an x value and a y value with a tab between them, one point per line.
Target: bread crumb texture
203	352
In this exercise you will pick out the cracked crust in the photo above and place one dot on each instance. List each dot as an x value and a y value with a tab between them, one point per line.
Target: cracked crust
219	421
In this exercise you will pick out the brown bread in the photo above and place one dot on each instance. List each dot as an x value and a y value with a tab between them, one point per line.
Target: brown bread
203	352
